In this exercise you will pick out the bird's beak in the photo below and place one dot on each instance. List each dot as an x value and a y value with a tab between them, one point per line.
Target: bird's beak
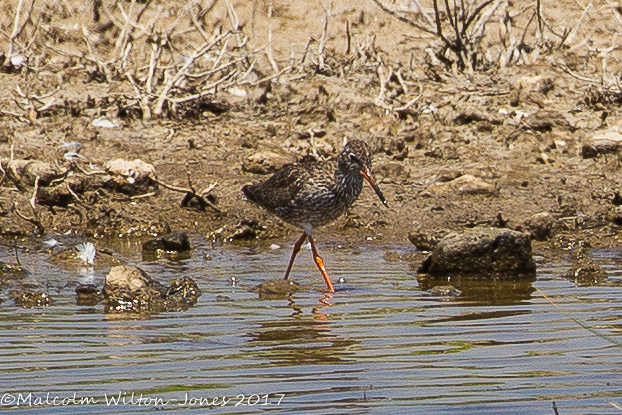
367	175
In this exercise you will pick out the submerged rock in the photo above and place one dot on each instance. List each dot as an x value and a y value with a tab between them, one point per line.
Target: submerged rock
182	294
487	253
88	295
129	289
84	255
30	299
391	256
277	288
442	291
584	271
175	246
12	271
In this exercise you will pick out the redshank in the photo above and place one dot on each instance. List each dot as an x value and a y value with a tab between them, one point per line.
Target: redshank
309	195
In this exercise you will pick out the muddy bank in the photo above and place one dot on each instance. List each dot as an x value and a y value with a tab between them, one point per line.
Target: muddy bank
528	145
439	172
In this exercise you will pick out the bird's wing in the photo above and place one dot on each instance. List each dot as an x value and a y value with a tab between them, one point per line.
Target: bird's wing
281	189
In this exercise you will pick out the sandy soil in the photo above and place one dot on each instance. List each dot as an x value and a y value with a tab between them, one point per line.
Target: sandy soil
500	146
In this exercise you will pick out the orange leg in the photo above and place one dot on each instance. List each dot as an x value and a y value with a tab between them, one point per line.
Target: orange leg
320	264
297	246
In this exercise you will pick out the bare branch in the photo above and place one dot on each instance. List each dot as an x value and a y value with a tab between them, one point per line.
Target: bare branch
320	47
33	199
191	193
17	26
184	71
574	31
400	16
34	220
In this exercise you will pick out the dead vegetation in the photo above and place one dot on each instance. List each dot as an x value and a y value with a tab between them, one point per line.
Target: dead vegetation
174	60
160	62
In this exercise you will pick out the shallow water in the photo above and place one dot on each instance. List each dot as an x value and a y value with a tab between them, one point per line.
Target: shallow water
378	346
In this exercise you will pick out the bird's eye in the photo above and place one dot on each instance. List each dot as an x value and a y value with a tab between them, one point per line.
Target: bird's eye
353	158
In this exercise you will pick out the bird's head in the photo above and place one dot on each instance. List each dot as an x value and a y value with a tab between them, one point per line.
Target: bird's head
355	159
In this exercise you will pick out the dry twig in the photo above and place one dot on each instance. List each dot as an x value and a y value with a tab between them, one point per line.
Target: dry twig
18	27
191	193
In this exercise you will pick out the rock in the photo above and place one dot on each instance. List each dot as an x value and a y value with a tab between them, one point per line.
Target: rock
584	272
391	256
88	295
242	233
175	247
12	272
466	184
606	142
264	163
448	176
422	241
393	171
245	230
129	289
60	195
182	294
442	291
128	278
29	299
277	288
28	170
396	147
130	177
469	116
540	226
547	120
106	122
137	169
489	253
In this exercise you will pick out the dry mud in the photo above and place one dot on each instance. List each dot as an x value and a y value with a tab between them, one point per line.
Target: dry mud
514	146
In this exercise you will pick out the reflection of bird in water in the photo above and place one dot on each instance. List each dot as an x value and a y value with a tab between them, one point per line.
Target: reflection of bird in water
314	194
316	311
298	341
324	302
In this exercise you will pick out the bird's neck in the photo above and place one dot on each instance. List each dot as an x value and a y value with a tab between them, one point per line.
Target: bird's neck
348	185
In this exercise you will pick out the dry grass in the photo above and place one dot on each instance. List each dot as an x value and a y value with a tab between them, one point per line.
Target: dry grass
157	58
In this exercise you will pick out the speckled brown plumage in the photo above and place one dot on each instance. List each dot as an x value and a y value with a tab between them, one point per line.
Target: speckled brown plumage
314	194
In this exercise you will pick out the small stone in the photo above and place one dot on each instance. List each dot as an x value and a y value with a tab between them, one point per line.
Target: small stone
606	142
390	256
175	246
442	291
540	225
466	184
